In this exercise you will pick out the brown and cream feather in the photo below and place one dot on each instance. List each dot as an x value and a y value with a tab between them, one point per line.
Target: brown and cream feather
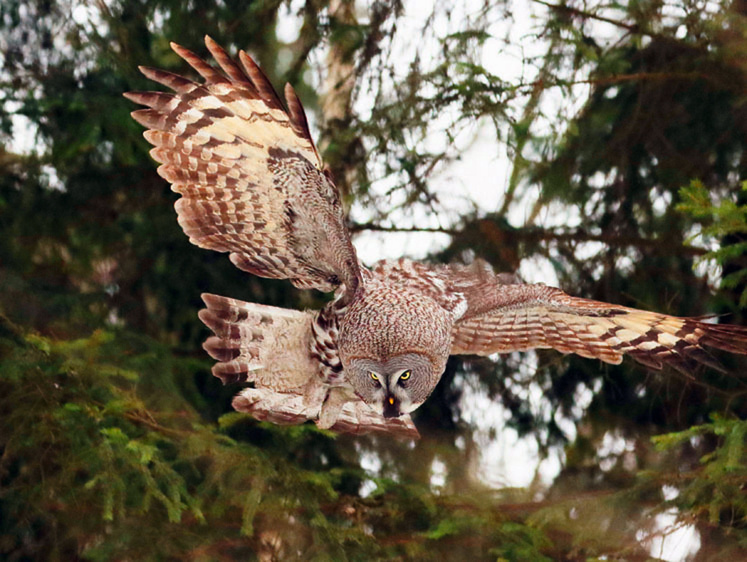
497	314
248	171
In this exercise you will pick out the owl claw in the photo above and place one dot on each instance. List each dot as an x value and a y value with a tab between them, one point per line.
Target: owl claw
332	407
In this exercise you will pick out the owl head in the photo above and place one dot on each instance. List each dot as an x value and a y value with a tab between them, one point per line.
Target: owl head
394	345
393	386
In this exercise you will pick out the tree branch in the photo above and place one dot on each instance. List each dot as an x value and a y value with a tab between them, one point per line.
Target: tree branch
535	234
633	28
373	227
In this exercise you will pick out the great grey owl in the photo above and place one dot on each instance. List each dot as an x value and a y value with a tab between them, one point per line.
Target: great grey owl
253	184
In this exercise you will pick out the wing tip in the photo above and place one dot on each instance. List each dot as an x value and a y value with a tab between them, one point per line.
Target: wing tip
247	59
213	301
208	317
143	116
147	70
132	96
209	40
183	52
220	349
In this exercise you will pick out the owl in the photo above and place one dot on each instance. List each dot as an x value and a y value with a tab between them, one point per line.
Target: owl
253	184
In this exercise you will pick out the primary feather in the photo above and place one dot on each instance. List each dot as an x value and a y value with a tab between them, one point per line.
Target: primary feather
249	173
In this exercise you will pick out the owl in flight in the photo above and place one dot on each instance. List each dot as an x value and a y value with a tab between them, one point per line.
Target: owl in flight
253	184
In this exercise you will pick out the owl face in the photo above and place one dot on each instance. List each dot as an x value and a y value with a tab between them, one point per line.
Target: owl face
395	386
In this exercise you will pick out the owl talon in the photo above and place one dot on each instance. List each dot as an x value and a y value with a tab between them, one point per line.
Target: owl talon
333	405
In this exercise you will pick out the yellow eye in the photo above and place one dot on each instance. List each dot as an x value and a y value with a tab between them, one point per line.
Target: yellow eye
406	375
374	376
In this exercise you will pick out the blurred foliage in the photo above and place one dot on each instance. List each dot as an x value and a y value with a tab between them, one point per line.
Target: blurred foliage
108	459
721	220
116	442
715	487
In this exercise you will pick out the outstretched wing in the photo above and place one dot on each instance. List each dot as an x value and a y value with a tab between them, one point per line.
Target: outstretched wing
496	314
251	179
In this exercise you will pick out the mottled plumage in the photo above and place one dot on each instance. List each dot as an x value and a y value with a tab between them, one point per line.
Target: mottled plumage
253	184
249	173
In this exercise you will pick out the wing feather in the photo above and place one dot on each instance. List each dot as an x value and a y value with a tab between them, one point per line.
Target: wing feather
537	316
355	418
259	80
496	314
248	171
235	75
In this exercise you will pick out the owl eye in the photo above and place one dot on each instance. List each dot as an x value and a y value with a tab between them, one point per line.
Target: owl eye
374	376
406	375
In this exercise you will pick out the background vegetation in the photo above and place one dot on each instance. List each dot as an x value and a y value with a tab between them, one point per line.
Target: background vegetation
622	131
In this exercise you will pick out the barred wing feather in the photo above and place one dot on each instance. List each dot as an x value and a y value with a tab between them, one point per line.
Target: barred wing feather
250	176
537	316
494	313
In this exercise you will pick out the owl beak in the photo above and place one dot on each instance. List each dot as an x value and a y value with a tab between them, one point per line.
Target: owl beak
391	407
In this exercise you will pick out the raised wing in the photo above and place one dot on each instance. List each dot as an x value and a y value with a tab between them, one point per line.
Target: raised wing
251	179
496	314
